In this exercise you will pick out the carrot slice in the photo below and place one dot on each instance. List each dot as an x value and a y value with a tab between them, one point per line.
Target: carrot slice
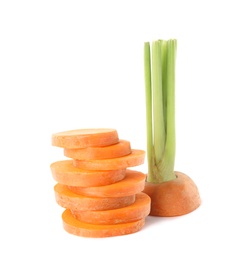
136	211
79	228
119	149
82	138
134	159
134	182
65	173
68	199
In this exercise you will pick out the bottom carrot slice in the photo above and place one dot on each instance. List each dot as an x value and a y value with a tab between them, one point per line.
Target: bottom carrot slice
68	199
79	228
136	211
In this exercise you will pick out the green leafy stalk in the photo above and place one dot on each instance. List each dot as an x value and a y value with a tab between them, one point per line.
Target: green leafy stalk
160	109
148	91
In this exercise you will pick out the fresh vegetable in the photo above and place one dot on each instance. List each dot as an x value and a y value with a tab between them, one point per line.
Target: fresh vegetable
160	109
135	158
68	199
173	198
136	211
119	149
65	173
171	193
82	138
101	196
133	183
80	228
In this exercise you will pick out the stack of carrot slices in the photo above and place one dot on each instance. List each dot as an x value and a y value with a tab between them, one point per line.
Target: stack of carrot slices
102	197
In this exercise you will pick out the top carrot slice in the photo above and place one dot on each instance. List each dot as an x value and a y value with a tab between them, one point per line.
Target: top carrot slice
82	138
119	149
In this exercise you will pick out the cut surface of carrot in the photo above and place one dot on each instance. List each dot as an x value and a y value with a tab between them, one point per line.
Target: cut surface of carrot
79	228
65	173
173	198
119	149
133	183
82	138
138	210
135	158
68	199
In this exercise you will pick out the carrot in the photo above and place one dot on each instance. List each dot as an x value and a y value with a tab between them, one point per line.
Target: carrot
133	183
172	193
68	199
79	228
134	159
82	138
119	149
65	173
136	211
173	198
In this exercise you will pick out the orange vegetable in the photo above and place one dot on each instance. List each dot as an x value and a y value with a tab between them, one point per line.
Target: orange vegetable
68	199
79	228
119	149
82	138
101	196
133	183
65	173
136	211
134	159
173	198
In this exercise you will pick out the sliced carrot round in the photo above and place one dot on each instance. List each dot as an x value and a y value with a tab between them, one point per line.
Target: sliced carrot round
82	138
65	173
136	211
68	199
79	228
134	159
134	182
119	149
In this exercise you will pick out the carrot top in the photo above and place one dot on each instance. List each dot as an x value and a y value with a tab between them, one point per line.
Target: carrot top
159	66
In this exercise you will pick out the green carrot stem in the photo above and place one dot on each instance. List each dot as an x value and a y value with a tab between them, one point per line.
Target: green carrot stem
160	109
148	91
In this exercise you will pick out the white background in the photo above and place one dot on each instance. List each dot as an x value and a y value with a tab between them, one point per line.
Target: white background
79	64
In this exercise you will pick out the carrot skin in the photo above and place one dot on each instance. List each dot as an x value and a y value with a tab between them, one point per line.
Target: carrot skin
173	198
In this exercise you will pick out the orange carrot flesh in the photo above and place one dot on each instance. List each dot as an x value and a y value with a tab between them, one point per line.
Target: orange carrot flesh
134	159
119	149
65	173
173	198
136	211
82	138
68	199
79	228
133	183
